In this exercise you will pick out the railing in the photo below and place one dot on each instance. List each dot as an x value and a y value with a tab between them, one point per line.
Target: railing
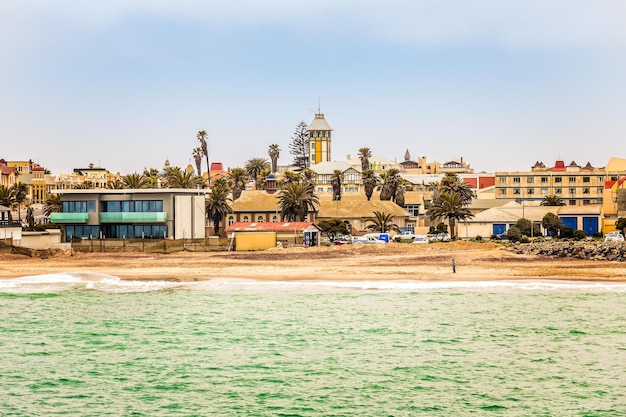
12	223
133	217
69	217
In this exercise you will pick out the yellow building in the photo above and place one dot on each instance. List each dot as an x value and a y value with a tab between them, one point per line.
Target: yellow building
34	177
573	184
319	140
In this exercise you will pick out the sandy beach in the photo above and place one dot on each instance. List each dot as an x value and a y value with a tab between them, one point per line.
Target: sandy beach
475	262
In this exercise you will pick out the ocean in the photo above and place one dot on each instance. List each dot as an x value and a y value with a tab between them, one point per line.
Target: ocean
92	345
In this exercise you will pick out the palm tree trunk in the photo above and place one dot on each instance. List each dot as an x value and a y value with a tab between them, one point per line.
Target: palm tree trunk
452	223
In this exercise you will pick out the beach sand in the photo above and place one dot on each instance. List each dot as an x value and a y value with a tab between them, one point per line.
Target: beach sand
394	261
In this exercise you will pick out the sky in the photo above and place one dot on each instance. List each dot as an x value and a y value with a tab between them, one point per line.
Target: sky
126	84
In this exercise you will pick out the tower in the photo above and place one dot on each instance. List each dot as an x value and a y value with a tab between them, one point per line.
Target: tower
319	140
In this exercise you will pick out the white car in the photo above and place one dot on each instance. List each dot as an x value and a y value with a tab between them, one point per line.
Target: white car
614	236
420	239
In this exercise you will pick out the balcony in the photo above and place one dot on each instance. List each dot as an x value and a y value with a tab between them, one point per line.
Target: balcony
133	217
68	217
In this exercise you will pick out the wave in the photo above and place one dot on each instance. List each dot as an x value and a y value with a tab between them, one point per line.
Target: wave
112	284
80	281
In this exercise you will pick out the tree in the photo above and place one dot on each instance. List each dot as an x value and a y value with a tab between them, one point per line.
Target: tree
217	206
202	136
274	152
370	181
552	223
390	181
552	200
52	205
135	180
289	177
335	182
364	155
299	146
399	197
30	218
7	198
180	178
452	183
197	157
333	227
296	200
382	222
152	177
254	167
527	228
238	178
514	234
449	205
20	192
263	178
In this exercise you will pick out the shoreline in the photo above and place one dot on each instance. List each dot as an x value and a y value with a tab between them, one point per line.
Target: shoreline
391	262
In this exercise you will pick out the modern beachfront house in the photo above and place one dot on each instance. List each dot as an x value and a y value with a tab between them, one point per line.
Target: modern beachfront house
132	213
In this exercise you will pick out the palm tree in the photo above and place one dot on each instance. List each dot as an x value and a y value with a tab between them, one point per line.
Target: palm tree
20	192
197	157
382	222
263	178
364	155
153	177
289	177
552	200
308	176
217	206
335	182
238	178
452	183
370	181
449	205
135	180
52	205
390	180
399	197
180	178
7	198
274	152
254	167
296	200
202	136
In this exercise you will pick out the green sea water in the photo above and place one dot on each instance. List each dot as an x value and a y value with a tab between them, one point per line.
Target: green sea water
231	349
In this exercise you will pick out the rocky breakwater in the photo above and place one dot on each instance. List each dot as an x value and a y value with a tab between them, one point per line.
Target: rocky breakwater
591	250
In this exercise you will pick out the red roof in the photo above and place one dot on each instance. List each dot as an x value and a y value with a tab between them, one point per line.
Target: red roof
268	226
7	170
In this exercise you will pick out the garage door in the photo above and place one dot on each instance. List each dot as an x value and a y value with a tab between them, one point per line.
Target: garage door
499	228
570	222
590	225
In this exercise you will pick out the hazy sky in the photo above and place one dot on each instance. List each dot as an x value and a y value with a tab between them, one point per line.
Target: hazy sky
128	83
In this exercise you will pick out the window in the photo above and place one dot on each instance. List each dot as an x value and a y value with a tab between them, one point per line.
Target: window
516	180
260	219
531	191
558	191
586	179
585	202
413	209
544	191
544	180
246	219
585	190
530	180
572	180
502	191
516	191
274	219
600	179
502	180
572	202
572	191
558	180
320	189
599	190
231	220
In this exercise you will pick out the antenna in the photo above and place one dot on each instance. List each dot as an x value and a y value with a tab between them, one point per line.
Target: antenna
319	105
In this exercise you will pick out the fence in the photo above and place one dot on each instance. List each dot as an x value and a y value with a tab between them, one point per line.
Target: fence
150	245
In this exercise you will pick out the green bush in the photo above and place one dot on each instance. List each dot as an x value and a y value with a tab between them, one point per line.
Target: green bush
514	234
580	235
567	233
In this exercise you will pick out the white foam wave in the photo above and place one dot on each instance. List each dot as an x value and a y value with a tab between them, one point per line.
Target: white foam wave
80	280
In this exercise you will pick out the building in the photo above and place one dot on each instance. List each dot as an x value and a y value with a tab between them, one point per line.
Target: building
351	176
574	184
319	140
34	177
132	213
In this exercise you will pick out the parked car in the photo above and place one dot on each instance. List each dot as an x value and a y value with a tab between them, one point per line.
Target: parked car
614	236
420	239
440	237
404	236
367	240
